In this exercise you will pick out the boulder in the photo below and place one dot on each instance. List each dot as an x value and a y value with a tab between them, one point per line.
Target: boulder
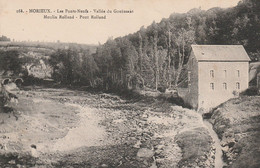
145	153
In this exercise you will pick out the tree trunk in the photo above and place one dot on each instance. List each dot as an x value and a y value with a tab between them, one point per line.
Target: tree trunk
156	60
169	59
140	53
181	60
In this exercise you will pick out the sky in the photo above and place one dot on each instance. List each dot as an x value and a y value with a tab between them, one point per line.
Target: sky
33	26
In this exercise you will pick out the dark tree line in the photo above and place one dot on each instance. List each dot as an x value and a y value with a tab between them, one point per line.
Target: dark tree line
13	63
74	66
4	38
156	56
10	62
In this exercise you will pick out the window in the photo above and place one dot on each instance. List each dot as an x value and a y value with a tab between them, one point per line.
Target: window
211	73
225	86
212	86
225	73
192	60
238	73
238	85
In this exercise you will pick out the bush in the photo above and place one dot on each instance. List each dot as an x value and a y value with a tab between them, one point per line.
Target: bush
162	89
252	91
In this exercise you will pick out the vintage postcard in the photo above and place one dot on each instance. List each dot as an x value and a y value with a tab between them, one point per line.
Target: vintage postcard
130	83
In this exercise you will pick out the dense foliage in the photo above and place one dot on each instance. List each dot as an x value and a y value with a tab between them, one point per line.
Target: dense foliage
10	62
4	38
156	56
73	66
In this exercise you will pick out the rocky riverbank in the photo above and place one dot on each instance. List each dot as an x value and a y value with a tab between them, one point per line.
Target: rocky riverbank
116	132
237	123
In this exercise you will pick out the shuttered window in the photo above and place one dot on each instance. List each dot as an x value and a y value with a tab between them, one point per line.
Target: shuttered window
237	85
211	73
212	86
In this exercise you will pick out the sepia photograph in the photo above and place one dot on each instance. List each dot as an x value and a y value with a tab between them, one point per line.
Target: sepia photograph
130	84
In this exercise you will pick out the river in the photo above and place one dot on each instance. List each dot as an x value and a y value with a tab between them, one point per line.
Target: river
219	163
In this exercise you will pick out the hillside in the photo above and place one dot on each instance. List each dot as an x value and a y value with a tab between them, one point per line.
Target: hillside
155	56
237	123
45	45
33	58
254	71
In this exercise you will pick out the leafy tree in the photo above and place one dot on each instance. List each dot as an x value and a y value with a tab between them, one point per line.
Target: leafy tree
10	61
4	38
89	69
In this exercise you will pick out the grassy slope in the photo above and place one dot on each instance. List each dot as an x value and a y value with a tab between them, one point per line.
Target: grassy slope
196	147
237	123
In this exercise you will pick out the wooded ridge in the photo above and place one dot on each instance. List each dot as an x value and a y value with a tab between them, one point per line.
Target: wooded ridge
155	56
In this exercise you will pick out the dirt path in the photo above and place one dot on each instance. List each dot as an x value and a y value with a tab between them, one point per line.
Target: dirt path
219	163
86	132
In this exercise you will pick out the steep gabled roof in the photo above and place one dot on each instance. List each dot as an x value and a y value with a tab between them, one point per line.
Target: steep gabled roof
220	53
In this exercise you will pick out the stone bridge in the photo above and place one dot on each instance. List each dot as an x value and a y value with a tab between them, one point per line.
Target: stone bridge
5	80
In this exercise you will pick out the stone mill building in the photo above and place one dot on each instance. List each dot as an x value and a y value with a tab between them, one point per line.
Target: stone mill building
215	73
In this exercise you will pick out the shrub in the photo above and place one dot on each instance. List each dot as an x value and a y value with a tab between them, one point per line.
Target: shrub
252	91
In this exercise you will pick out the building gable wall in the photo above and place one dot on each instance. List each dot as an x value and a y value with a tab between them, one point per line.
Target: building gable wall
191	97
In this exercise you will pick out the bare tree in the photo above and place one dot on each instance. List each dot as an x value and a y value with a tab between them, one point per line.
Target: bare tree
156	66
185	39
169	54
140	58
